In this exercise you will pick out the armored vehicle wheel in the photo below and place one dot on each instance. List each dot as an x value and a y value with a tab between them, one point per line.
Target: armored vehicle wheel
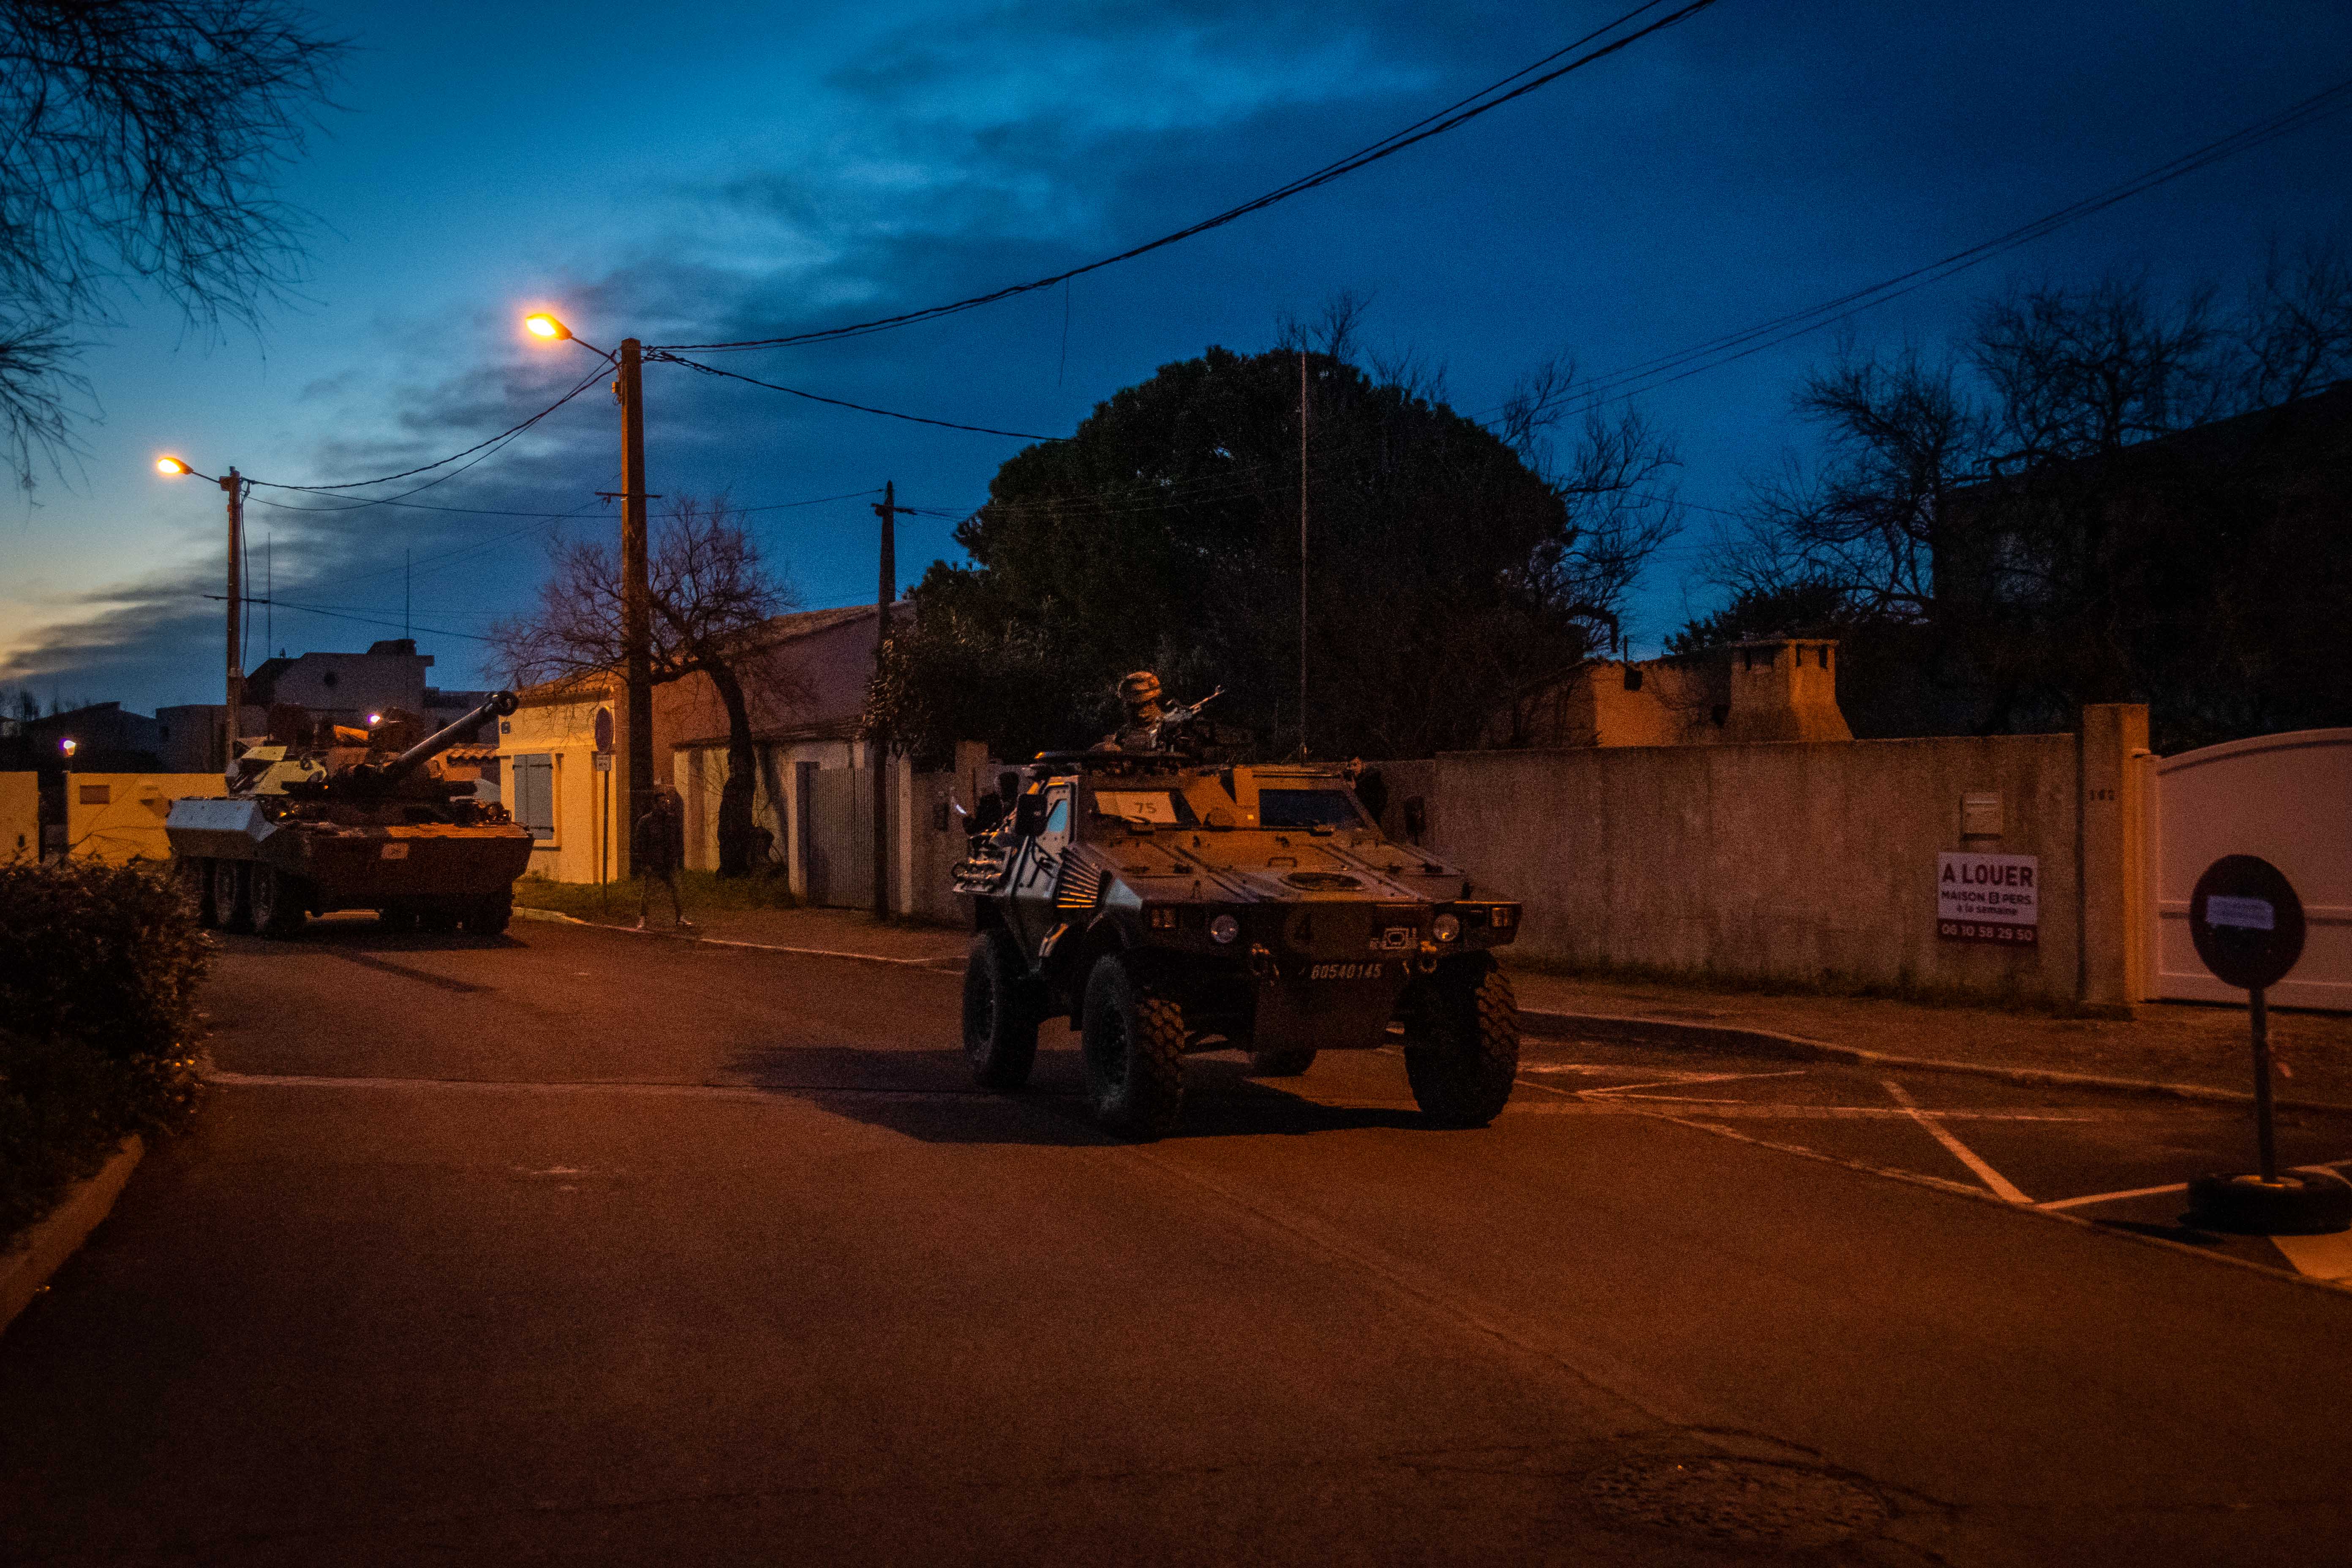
276	900
1134	1044
1000	1012
439	921
224	896
401	921
197	876
490	914
1462	1044
1281	1061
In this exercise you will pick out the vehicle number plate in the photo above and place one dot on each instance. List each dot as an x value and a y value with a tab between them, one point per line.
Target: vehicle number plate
1344	971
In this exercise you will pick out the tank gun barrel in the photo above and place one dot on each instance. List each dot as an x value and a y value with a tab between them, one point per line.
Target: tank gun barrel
501	704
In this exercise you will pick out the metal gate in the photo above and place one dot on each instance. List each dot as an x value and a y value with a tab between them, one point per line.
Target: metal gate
2287	798
840	823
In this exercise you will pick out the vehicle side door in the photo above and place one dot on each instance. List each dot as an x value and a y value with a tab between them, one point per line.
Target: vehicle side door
1038	872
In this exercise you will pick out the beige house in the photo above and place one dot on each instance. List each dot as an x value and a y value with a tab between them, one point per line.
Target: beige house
557	756
804	683
563	756
1782	690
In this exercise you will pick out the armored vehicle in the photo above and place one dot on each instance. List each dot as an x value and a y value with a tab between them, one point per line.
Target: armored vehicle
336	820
1167	906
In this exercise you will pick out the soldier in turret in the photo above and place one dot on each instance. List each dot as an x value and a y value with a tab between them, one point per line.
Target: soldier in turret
1140	692
1151	726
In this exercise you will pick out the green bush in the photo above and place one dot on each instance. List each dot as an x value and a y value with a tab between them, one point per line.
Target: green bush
98	1021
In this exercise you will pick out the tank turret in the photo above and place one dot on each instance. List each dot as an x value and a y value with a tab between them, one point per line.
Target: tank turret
365	779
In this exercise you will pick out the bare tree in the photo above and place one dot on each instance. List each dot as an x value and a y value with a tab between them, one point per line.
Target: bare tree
2293	333
2072	505
712	596
1617	482
1898	436
142	139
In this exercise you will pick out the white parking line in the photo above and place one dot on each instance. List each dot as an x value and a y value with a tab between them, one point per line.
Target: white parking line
2090	1198
1683	1081
2321	1256
2002	1186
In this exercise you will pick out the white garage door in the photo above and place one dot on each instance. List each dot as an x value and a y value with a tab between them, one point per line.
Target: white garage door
2287	798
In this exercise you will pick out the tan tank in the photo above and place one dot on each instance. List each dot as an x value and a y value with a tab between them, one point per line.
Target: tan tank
336	820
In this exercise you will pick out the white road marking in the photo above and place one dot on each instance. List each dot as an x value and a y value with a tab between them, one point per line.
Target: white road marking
2090	1198
2321	1256
1684	1080
773	1094
2002	1186
1753	1110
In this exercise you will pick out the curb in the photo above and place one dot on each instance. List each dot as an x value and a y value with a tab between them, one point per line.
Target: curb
1732	1039
943	961
24	1273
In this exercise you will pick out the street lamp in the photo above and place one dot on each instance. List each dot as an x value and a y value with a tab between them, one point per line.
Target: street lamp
234	484
637	598
68	745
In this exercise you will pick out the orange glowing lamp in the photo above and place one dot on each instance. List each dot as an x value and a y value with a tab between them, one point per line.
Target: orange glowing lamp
539	324
172	468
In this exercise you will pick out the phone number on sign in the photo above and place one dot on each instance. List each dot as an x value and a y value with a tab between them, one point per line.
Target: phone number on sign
1986	930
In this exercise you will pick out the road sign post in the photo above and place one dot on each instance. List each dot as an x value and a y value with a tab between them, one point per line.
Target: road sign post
2248	926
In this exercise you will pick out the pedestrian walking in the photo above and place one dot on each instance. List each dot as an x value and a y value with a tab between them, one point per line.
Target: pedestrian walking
656	844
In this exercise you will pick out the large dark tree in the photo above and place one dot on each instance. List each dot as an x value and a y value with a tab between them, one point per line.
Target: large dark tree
139	140
1446	566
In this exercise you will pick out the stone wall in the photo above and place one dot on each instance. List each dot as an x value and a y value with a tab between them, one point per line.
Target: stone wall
1802	862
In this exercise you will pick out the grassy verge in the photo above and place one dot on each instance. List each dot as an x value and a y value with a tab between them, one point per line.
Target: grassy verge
696	889
97	1022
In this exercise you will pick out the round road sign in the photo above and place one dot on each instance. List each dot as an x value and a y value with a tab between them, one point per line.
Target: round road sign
2246	922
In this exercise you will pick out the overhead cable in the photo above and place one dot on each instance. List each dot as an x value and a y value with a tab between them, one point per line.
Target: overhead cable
838	402
512	431
1387	146
1729	347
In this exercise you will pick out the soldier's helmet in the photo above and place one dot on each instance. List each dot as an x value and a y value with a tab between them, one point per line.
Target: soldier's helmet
1138	688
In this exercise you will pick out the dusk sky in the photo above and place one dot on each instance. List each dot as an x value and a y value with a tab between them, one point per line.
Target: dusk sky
711	172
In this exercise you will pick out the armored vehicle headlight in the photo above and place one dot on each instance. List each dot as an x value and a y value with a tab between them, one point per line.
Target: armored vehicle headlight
1224	928
1446	928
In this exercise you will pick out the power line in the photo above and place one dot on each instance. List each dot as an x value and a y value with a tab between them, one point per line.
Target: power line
364	620
509	433
1387	146
477	546
1726	348
838	402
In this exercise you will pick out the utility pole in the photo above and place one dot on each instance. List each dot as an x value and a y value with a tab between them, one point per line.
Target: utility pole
886	508
1302	554
234	483
637	596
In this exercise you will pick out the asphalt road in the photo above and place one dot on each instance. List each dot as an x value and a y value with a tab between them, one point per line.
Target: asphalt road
584	1248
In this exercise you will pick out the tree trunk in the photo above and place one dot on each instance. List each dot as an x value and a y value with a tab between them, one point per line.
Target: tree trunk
736	829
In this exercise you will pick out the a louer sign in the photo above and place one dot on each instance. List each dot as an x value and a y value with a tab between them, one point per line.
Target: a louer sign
1988	897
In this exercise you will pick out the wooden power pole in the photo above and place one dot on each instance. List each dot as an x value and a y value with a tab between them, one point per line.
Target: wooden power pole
1302	554
234	484
886	508
636	596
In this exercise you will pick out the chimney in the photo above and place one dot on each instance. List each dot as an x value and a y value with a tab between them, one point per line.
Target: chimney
1785	688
